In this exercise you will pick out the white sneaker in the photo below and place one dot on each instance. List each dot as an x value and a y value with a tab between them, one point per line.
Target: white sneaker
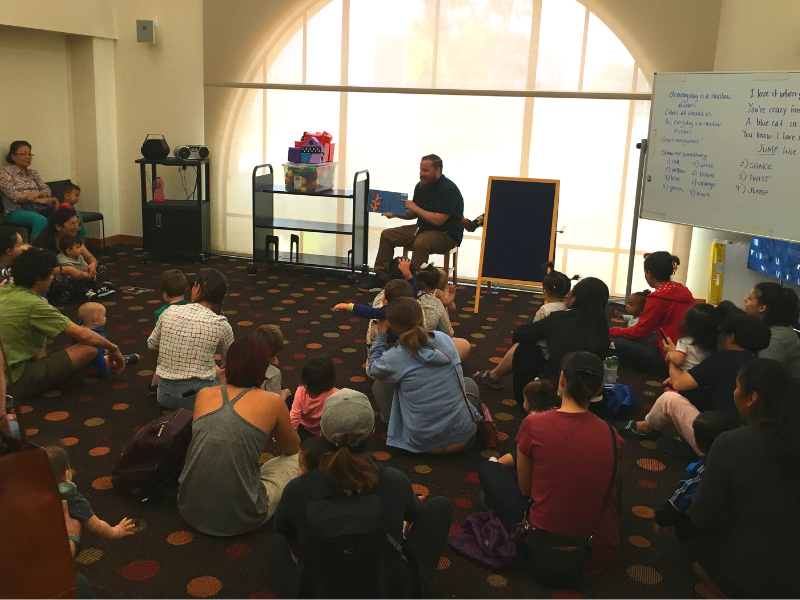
492	459
105	291
91	295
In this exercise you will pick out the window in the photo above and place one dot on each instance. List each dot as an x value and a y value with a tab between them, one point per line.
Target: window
517	46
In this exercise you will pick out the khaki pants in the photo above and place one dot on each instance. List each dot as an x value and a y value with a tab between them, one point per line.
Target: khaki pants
674	413
424	244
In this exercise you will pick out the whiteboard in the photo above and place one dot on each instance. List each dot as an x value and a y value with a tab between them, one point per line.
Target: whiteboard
723	152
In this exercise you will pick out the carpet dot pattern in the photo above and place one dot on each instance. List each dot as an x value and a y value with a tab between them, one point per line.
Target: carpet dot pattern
93	416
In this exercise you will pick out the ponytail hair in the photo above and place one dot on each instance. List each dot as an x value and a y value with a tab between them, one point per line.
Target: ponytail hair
348	465
405	317
429	277
661	265
783	306
556	283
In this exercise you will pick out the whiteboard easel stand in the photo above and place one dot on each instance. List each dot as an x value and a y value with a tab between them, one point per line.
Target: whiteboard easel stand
637	205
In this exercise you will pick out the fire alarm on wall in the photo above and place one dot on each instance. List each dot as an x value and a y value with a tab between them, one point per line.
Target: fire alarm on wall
146	32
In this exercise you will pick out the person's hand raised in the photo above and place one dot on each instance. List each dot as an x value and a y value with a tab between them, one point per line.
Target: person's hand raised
383	326
341	306
404	265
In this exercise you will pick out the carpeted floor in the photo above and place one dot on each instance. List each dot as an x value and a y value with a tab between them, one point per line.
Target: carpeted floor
166	558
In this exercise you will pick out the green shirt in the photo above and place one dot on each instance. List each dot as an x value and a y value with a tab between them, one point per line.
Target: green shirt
27	321
165	307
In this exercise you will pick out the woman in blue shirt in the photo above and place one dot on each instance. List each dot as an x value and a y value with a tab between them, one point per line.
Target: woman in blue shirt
421	388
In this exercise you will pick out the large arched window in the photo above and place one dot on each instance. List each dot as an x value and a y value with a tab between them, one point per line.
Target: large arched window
517	45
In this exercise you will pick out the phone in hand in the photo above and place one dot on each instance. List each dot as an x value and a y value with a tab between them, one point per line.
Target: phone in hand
663	335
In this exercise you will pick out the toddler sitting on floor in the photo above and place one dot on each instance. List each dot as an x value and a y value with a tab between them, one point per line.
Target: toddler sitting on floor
77	505
93	316
87	286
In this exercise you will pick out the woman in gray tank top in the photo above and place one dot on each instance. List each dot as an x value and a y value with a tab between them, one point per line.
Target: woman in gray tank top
223	490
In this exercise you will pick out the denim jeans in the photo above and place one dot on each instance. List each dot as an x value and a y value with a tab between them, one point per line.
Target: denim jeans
175	393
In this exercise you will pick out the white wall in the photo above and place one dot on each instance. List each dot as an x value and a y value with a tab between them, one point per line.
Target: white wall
753	35
159	89
35	98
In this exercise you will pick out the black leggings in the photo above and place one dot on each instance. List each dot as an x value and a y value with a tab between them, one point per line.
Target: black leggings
63	289
424	543
527	365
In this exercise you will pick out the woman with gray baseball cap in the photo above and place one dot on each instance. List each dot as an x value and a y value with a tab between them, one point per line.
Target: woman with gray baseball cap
347	469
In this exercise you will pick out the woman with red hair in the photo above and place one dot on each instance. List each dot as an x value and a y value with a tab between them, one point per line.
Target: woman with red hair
223	490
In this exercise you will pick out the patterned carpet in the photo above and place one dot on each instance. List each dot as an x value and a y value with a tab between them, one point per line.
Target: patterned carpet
166	558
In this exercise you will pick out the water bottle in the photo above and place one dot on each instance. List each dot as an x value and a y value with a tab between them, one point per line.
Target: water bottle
610	366
495	287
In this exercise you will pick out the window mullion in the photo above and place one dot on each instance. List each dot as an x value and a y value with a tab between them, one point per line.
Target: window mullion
583	50
527	115
435	54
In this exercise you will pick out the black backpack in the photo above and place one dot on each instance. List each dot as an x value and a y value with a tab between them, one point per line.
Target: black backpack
348	553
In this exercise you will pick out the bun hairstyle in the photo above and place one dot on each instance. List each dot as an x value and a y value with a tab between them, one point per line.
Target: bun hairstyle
13	150
405	316
749	332
583	373
661	265
642	295
213	287
556	283
701	323
727	309
783	306
429	277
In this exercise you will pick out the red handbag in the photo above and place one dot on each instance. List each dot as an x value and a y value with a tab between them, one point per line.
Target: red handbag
487	429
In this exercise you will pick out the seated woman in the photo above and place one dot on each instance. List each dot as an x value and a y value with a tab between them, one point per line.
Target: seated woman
779	307
555	288
741	338
583	326
747	508
187	338
27	199
663	311
347	424
10	245
420	386
64	222
435	314
565	461
223	491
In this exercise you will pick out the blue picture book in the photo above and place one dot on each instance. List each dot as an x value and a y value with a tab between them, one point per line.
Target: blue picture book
391	202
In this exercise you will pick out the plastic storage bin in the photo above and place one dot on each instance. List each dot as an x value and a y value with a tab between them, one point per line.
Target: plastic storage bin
307	178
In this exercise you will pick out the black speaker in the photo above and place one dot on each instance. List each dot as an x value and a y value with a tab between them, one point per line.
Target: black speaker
155	149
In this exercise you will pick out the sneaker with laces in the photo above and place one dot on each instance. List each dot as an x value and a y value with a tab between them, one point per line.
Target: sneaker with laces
105	290
91	295
131	359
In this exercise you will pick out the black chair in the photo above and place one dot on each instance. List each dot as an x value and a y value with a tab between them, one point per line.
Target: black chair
57	189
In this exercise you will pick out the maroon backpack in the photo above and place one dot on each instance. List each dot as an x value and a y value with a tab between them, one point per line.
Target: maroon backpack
154	456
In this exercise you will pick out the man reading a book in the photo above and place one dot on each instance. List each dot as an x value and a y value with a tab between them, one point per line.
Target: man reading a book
438	207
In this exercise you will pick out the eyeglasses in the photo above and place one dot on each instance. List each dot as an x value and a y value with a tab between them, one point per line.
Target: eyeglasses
24	154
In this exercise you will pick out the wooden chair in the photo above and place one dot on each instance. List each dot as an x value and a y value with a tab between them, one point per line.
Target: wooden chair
450	269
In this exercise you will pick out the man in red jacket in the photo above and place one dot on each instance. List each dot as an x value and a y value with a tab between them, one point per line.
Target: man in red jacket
663	311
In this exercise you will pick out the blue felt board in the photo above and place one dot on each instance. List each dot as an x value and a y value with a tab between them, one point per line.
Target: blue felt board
519	225
775	258
381	202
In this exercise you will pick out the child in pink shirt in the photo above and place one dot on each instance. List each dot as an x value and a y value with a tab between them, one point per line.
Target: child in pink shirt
318	378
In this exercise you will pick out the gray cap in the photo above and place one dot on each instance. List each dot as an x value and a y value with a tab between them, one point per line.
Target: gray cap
347	412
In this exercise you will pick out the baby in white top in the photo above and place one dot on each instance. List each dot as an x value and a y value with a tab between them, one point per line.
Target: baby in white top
701	325
555	286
